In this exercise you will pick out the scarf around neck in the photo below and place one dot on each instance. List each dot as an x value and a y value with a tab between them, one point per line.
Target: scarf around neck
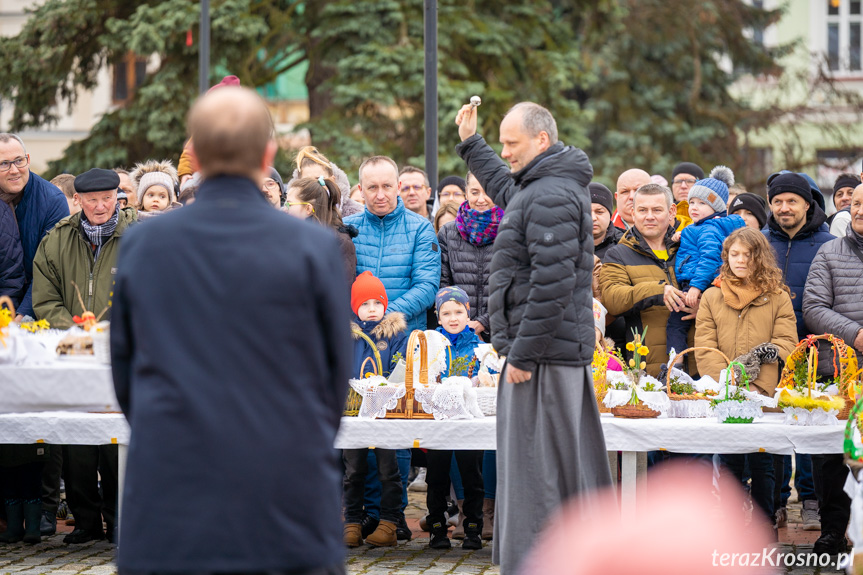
98	235
738	296
478	228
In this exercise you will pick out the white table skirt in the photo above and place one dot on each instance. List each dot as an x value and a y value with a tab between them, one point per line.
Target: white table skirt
64	427
678	435
75	384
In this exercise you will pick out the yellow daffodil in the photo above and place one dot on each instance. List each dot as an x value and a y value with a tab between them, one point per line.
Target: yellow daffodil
643	350
630	346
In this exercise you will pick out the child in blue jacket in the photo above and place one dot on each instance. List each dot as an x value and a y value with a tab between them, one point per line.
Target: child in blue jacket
452	306
369	304
699	257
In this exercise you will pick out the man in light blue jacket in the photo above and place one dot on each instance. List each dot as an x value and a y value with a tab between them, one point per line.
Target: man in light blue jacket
395	244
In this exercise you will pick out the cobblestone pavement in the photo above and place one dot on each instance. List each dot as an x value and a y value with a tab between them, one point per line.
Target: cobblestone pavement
408	558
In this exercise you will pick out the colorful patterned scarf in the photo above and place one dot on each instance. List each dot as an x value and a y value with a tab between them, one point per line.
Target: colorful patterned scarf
478	228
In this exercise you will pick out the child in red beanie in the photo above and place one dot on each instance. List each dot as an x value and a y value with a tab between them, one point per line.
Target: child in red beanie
369	304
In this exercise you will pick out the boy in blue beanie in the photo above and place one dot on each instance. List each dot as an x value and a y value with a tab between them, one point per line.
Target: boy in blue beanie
700	254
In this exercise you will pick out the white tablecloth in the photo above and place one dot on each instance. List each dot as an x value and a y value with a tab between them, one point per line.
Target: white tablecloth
678	435
65	385
64	427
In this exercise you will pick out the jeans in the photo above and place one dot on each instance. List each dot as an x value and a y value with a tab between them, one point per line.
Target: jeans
835	506
676	331
356	468
489	473
803	481
761	468
438	479
373	484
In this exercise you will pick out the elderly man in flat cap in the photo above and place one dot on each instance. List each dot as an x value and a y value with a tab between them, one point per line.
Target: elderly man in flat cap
82	248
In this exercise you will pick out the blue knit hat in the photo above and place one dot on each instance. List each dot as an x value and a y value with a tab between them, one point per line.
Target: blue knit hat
451	293
714	188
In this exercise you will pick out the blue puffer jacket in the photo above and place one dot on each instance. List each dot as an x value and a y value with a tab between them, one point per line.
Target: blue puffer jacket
462	345
794	255
700	255
12	279
402	250
42	205
390	338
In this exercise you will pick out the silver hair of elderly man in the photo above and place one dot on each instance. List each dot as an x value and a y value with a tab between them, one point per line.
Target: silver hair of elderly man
536	119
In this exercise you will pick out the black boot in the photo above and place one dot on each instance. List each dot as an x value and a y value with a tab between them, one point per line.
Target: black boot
33	521
472	535
48	525
439	540
368	524
14	522
403	532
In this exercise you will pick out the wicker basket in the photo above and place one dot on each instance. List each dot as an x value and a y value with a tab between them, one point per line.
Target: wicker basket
637	411
408	407
842	367
355	400
692	396
486	397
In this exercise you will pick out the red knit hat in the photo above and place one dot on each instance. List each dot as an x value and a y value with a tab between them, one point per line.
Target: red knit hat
367	287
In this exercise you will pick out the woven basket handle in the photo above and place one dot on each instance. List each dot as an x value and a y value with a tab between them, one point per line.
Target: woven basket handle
375	352
363	368
713	349
417	335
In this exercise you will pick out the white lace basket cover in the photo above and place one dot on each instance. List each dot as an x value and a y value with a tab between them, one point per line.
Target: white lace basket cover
815	416
655	400
692	408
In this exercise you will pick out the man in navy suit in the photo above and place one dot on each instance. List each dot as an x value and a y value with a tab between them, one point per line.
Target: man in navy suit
231	354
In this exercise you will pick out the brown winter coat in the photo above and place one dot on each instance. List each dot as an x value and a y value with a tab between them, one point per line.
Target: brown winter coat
734	322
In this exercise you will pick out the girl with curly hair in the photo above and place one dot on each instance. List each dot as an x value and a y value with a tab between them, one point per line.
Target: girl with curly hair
748	312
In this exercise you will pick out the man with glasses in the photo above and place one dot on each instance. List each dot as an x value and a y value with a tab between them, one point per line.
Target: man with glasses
38	206
415	191
274	189
683	177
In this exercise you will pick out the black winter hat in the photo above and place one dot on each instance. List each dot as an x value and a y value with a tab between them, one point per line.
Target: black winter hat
451	181
97	180
789	183
846	181
601	195
688	168
753	203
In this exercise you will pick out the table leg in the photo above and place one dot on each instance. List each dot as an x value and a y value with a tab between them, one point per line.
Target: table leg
633	481
122	450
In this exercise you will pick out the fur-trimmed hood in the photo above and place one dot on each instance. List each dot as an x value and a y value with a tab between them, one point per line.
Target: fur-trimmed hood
154	166
393	324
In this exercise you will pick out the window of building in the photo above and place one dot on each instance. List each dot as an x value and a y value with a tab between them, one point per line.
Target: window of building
844	23
129	73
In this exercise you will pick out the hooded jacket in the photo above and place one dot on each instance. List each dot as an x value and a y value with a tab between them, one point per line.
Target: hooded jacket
700	255
794	255
401	249
390	337
540	296
467	266
734	321
633	283
65	256
462	347
42	205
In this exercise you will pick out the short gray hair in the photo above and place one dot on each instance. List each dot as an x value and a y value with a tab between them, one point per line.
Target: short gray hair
377	160
536	119
6	136
655	190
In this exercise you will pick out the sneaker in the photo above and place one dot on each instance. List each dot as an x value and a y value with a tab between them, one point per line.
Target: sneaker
439	540
403	532
419	484
811	518
471	541
781	518
830	543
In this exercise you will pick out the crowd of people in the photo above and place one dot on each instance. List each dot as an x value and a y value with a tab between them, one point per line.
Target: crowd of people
508	254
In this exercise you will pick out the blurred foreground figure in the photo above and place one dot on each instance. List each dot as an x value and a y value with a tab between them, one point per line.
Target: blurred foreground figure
233	391
679	528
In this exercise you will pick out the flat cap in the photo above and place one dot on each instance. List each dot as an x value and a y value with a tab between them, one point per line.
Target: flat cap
97	180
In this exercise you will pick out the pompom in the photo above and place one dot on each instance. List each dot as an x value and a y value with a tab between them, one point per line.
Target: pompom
723	174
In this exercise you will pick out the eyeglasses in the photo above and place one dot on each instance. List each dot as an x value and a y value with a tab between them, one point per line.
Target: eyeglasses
17	162
681	181
406	189
445	197
289	204
271	185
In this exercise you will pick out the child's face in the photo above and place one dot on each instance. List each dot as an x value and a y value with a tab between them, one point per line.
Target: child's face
749	218
699	209
371	310
453	316
155	199
297	208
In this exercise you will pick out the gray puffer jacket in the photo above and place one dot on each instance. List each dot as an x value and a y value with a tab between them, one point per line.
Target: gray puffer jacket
832	301
467	266
540	297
